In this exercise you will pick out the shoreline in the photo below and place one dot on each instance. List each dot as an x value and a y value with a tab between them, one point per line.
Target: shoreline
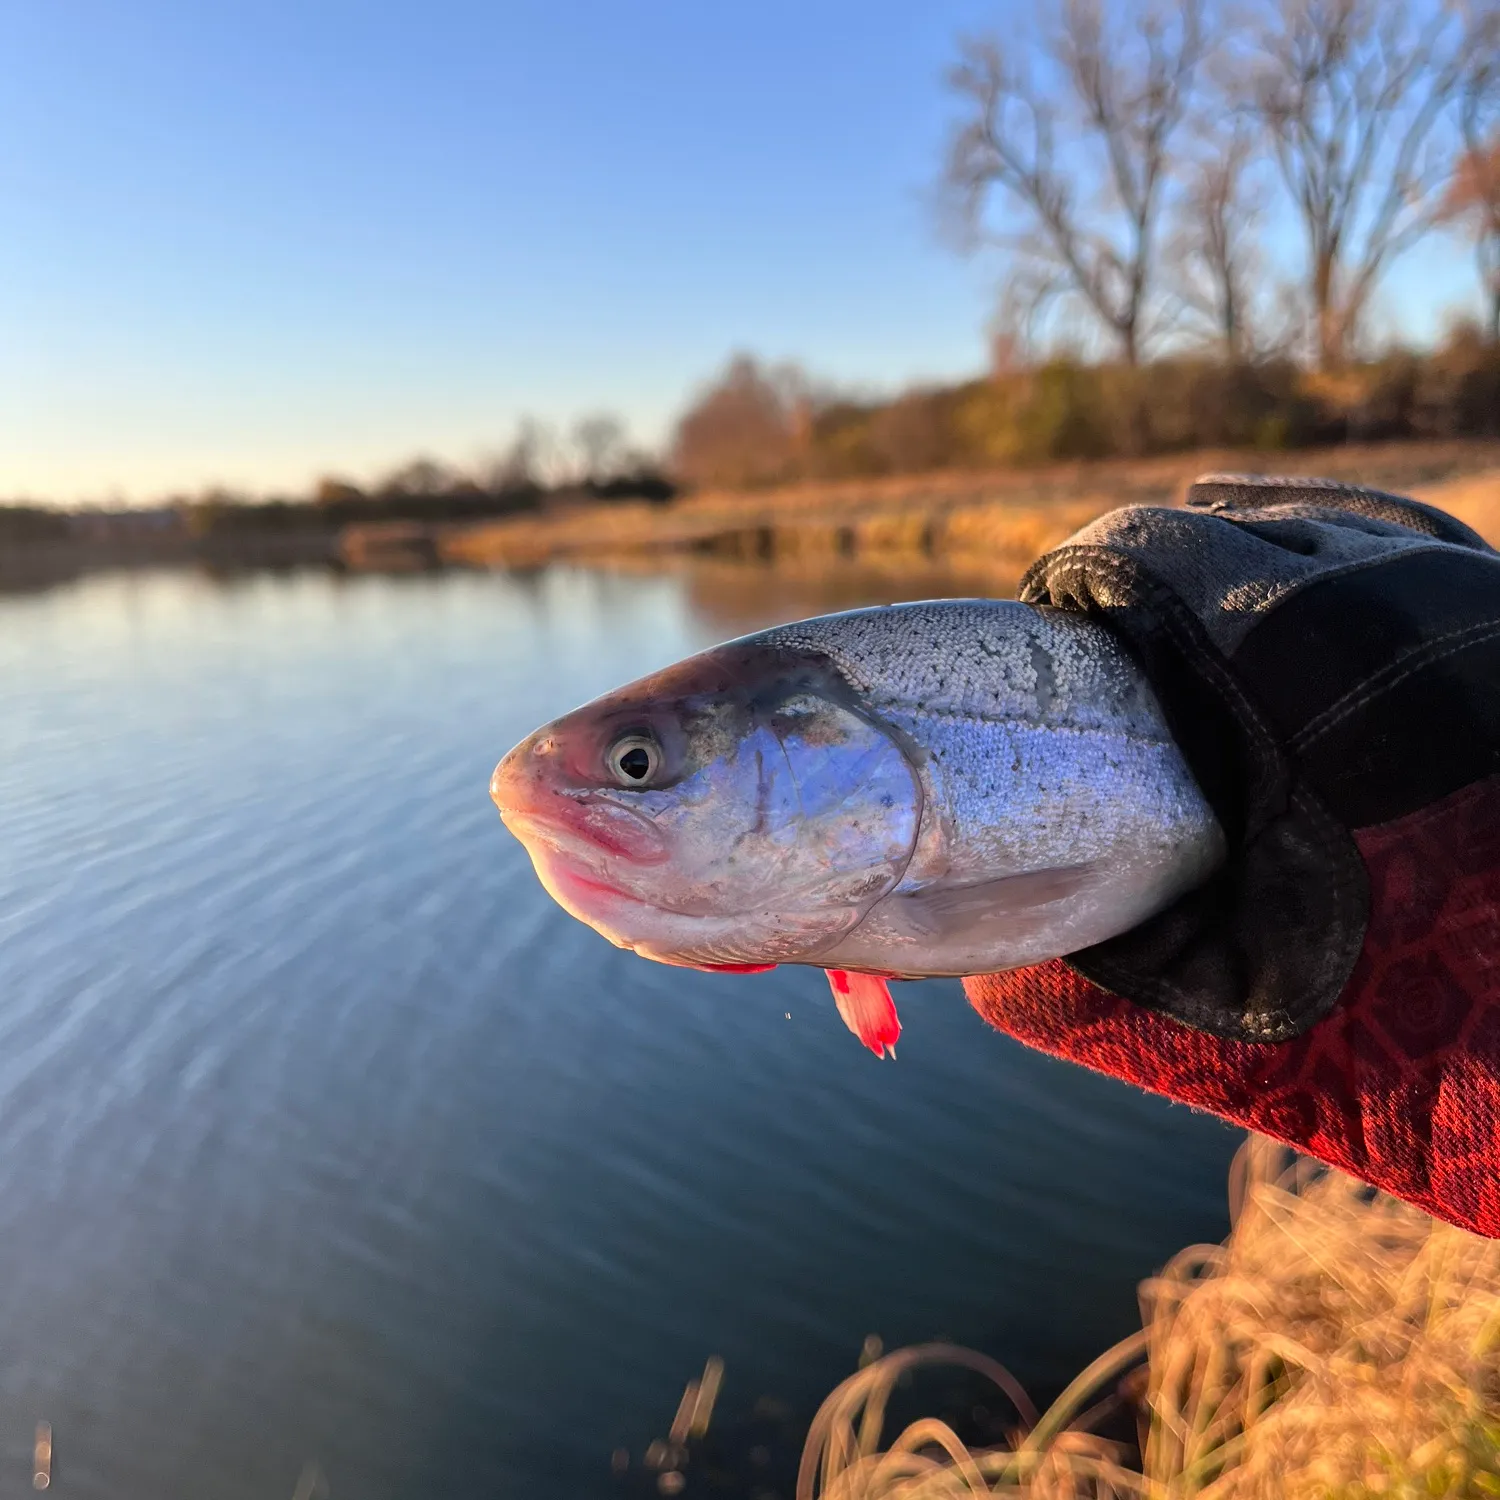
1006	517
985	526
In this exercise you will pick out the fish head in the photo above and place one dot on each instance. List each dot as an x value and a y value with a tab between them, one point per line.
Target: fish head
741	807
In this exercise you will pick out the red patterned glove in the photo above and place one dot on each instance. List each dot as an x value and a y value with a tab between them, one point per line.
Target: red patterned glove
1338	986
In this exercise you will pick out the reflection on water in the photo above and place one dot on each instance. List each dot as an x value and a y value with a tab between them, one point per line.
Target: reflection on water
326	1139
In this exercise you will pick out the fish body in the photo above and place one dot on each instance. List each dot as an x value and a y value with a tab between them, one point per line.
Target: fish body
942	788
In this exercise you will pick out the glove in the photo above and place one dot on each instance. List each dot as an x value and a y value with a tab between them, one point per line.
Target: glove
1329	660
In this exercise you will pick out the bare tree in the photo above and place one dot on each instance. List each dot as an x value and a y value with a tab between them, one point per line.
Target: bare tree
1213	251
333	490
1087	164
600	443
423	477
528	461
1357	99
1473	202
1019	330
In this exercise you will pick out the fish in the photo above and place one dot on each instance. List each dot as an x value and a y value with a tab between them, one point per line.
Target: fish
940	788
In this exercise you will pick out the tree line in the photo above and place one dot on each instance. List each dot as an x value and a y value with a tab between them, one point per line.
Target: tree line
594	461
1194	208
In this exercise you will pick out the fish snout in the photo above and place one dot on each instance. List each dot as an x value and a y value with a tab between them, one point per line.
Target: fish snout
517	781
540	804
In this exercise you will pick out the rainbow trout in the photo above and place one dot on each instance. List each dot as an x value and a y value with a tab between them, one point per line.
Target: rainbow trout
945	788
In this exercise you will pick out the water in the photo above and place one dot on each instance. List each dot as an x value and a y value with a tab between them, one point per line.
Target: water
325	1136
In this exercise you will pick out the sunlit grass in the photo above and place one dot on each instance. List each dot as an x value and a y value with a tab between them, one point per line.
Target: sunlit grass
1002	517
1339	1345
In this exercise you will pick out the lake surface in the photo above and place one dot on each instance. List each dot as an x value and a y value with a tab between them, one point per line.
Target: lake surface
325	1136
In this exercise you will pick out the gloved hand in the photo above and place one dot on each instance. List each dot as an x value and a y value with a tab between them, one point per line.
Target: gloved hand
1329	659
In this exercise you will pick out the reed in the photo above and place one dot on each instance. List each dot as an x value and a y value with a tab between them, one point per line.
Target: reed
1338	1345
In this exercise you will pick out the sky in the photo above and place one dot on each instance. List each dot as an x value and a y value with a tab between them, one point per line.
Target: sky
248	244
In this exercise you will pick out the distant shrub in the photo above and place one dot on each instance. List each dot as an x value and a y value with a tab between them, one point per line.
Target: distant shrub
1066	409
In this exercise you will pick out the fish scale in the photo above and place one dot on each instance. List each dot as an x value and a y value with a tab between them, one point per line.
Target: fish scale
982	659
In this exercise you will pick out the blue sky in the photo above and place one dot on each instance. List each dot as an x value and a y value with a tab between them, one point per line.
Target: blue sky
249	243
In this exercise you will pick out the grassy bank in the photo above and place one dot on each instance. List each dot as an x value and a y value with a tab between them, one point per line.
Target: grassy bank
989	522
1338	1345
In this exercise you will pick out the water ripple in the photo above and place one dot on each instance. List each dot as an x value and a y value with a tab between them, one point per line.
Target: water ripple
324	1134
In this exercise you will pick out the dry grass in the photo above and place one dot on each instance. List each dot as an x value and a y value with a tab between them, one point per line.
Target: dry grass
1475	500
1400	466
1002	518
1338	1345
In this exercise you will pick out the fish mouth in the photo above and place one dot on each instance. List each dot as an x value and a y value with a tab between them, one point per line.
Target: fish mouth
587	827
555	839
575	884
567	861
626	919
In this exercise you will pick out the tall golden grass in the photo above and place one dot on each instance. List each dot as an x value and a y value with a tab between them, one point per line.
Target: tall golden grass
1339	1345
1002	518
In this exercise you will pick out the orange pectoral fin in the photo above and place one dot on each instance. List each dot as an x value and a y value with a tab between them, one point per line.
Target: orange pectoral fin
864	1001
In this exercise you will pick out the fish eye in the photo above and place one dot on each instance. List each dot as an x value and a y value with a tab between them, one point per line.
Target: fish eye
633	759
